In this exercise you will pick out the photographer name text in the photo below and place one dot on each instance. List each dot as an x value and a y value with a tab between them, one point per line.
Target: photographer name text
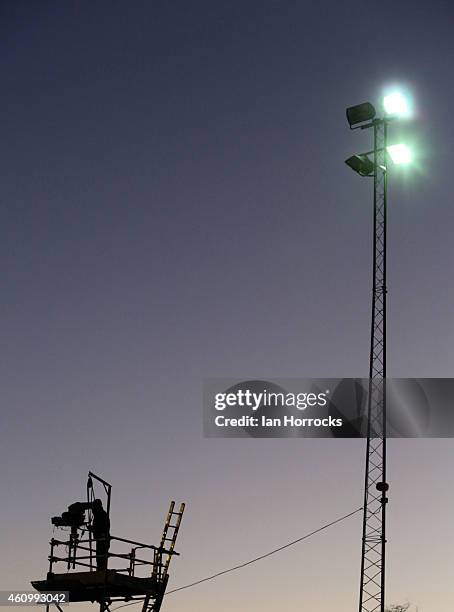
285	421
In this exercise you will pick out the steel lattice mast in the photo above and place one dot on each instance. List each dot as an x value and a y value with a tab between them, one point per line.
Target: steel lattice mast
363	116
372	586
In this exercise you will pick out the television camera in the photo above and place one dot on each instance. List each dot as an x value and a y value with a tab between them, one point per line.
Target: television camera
74	517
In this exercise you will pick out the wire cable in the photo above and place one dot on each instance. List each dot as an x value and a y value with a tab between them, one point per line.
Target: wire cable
268	554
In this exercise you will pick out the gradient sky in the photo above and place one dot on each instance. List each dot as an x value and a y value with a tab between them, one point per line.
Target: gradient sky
175	207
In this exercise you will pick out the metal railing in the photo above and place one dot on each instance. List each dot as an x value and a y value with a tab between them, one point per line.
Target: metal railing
75	560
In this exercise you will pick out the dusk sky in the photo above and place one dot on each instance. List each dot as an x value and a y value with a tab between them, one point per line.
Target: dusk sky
175	207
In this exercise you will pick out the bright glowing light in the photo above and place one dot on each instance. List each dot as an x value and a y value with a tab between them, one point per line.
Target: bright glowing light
400	154
397	104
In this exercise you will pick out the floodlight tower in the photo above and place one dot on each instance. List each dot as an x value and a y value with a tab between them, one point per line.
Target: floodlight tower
372	583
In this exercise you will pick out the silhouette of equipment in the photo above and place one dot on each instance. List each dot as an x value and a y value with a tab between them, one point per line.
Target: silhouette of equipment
141	572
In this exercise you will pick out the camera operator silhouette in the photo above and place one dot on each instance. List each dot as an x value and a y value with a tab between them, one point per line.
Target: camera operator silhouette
101	533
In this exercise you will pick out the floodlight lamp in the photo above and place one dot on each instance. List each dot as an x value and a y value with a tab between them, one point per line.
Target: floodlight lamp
360	113
397	105
361	164
400	154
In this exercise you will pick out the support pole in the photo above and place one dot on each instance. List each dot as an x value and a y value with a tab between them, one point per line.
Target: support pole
372	586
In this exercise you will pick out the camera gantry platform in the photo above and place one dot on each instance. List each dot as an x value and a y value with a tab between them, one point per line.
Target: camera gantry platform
96	574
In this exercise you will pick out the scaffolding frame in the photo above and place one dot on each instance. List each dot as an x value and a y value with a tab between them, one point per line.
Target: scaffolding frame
105	586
